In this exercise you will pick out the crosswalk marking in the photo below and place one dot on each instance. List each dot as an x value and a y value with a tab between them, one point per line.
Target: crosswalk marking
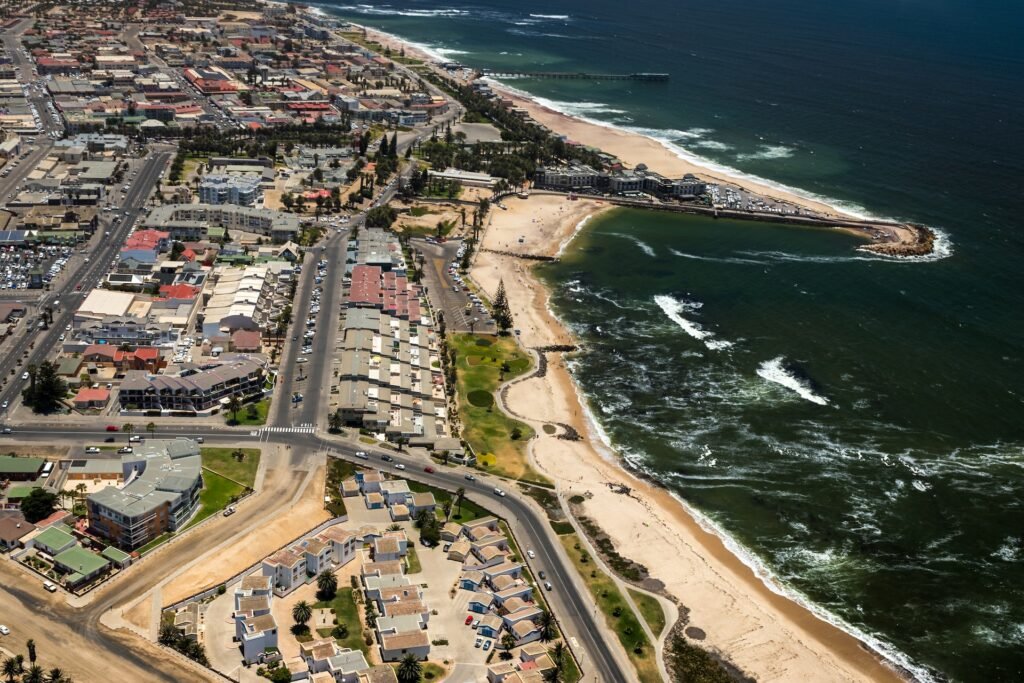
300	429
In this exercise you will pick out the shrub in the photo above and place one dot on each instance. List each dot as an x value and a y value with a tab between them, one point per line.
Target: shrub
480	398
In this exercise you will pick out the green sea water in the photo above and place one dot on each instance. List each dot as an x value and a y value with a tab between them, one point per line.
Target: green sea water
855	425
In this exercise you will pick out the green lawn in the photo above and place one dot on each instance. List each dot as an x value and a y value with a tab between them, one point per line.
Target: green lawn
260	417
432	671
413	560
216	495
611	601
346	612
159	540
650	610
222	462
469	509
479	360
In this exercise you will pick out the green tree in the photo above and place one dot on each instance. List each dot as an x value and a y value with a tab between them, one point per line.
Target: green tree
500	311
460	493
31	647
558	654
409	670
33	675
151	428
46	389
56	675
234	405
128	428
334	421
302	612
11	669
38	504
508	641
327	584
546	622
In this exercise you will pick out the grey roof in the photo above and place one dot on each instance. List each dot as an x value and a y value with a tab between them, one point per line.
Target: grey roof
348	661
169	468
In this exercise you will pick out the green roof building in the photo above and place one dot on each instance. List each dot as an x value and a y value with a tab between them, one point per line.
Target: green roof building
20	469
81	562
118	557
54	540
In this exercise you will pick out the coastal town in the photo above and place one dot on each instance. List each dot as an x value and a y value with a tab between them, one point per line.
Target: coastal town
280	396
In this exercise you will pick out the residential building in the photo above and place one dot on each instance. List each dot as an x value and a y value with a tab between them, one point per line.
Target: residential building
163	479
256	635
277	225
205	391
243	190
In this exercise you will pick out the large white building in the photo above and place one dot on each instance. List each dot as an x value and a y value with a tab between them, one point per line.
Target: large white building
243	190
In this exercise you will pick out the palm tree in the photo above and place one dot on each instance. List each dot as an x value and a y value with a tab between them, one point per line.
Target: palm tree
31	647
80	489
11	669
460	493
558	654
302	612
410	670
128	429
33	675
56	675
508	641
327	583
546	622
234	405
151	428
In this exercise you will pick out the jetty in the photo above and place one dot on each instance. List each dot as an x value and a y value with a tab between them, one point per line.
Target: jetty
499	73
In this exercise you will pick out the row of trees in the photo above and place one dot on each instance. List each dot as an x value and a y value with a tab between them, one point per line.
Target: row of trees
14	669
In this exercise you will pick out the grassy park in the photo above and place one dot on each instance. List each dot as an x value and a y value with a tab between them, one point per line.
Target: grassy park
483	363
346	613
617	613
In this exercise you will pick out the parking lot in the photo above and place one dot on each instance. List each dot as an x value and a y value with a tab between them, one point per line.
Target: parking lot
17	264
448	290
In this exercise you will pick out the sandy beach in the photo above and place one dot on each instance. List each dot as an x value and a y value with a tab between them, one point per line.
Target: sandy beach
768	636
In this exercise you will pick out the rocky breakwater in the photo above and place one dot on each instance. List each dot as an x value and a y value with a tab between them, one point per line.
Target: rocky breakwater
908	239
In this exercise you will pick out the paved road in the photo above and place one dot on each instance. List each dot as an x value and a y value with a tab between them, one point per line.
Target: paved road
570	599
441	288
88	275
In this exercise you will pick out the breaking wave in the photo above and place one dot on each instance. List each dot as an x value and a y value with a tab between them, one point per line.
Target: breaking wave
775	370
674	309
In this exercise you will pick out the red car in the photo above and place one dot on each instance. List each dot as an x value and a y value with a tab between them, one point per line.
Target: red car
428	469
78	288
469	620
111	428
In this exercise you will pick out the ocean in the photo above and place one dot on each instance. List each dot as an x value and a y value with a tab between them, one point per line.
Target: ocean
854	424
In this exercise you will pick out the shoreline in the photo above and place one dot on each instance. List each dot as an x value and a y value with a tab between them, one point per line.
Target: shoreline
757	624
760	627
885	237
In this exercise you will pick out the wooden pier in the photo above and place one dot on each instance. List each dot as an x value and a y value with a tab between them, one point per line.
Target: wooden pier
656	77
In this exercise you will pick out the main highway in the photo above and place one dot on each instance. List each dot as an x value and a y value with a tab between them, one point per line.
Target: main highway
88	275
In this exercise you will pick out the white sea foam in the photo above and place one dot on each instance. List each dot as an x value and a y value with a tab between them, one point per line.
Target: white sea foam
715	259
767	152
388	11
575	231
646	248
774	370
550	16
674	309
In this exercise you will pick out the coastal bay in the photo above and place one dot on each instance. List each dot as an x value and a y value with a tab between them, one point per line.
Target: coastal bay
762	632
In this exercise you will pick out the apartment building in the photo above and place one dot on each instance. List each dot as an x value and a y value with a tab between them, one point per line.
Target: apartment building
243	190
241	299
200	392
163	479
277	225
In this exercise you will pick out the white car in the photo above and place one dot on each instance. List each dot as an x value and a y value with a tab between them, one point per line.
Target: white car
399	466
530	554
301	359
499	492
4	630
92	449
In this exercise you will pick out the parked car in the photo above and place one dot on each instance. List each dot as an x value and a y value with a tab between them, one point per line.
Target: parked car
229	510
469	620
92	449
111	428
50	586
200	439
126	449
476	622
4	630
487	645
